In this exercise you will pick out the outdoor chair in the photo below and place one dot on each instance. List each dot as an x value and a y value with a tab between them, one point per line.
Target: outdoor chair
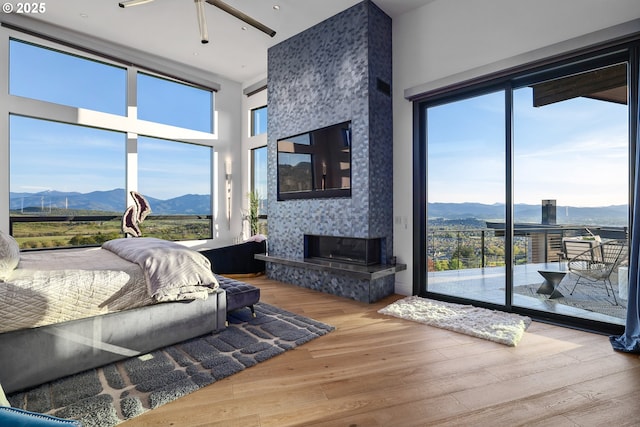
573	246
598	263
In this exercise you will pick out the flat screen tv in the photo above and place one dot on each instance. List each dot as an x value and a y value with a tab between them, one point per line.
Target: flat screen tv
315	164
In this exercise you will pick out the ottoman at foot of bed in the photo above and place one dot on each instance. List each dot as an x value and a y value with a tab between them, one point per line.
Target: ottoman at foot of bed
239	294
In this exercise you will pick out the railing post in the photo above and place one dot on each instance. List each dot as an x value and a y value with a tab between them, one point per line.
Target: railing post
458	248
482	247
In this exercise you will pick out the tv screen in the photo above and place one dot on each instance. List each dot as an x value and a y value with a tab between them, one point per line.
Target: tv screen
315	164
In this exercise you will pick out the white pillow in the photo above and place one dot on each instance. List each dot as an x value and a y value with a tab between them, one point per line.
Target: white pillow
9	255
3	398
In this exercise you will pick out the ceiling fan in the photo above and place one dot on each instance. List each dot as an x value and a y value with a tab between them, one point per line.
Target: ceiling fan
204	36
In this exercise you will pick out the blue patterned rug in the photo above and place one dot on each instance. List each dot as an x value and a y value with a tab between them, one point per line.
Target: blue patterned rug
114	393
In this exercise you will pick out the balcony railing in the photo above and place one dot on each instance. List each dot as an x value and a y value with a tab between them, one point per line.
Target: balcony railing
454	249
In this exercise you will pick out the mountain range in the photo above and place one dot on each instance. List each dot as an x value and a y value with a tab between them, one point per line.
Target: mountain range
196	204
107	201
523	213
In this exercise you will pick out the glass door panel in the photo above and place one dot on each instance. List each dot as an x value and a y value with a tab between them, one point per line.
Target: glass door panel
571	183
466	198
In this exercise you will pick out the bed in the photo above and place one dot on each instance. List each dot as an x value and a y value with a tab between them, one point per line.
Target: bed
65	311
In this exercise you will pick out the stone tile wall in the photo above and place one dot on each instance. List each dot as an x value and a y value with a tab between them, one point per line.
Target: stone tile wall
328	74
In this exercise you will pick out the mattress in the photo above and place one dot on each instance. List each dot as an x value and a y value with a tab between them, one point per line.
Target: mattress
56	286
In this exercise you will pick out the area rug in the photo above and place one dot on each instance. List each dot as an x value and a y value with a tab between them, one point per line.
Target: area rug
498	326
109	395
590	296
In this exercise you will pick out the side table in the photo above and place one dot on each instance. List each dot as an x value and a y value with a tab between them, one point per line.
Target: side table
551	281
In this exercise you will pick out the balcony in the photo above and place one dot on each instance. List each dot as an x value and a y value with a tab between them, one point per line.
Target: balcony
469	263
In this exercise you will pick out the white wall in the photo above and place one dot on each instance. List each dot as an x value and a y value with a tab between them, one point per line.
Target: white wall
229	147
447	37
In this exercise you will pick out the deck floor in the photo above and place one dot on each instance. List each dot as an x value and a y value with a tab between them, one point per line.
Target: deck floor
488	285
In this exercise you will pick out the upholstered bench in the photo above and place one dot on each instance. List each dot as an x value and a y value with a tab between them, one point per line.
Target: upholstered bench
239	294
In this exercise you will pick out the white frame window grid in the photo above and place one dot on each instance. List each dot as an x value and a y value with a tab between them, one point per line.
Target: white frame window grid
130	124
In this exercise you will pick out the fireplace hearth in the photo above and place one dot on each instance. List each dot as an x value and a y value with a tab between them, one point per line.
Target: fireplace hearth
352	250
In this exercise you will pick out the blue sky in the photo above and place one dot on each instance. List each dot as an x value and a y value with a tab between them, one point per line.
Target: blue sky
83	159
574	151
47	155
54	156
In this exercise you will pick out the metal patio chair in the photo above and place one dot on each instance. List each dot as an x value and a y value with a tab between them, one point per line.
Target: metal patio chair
573	246
598	263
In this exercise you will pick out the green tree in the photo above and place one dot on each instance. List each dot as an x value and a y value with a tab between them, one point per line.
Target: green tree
465	257
441	265
455	264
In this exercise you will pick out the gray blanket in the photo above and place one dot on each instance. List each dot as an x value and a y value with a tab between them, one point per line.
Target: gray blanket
173	272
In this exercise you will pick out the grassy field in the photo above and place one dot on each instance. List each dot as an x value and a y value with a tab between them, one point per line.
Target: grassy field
34	235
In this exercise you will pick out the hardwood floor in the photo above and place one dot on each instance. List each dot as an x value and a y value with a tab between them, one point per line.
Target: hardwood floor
375	370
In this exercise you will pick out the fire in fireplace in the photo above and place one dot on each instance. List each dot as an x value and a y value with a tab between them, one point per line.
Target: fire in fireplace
356	250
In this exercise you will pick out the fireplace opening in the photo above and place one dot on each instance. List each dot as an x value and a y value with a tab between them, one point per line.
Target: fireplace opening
355	250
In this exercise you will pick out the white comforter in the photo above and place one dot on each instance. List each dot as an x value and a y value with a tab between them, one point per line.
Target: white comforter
56	286
173	272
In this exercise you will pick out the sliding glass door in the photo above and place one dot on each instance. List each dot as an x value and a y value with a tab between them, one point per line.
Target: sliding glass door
520	180
465	190
571	189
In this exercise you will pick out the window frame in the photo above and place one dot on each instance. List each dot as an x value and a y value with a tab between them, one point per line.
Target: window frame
510	80
252	125
129	124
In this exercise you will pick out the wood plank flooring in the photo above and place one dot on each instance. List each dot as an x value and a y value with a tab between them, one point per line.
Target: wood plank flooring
375	370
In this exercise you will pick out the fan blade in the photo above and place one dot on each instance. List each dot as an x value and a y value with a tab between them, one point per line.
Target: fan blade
202	22
241	16
127	3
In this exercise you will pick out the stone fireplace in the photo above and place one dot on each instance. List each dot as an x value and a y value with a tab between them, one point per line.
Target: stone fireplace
336	71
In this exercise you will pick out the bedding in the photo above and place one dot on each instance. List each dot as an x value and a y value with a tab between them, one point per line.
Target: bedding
173	272
57	286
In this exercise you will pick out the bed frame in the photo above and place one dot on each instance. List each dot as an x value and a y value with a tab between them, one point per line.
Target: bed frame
31	357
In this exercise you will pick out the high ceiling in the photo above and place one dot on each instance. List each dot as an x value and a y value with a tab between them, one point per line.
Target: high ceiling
169	28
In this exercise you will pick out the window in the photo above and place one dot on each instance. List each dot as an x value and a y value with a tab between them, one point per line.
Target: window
259	177
53	76
258	121
176	179
64	170
174	103
573	149
70	173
